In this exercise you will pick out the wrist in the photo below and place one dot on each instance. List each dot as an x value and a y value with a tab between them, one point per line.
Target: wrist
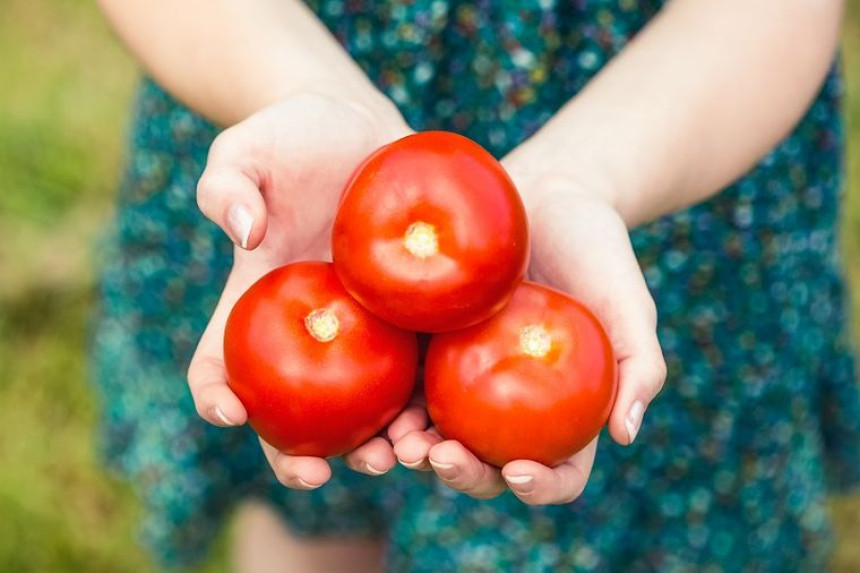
361	97
540	175
384	116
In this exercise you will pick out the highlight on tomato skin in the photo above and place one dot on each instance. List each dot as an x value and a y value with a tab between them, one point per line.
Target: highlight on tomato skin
318	374
537	381
431	234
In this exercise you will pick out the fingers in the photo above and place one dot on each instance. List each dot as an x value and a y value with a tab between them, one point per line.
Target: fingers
536	484
413	418
413	449
214	400
462	471
375	457
640	379
228	192
297	472
207	377
641	372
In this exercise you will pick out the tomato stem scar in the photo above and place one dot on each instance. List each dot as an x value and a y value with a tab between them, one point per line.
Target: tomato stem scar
535	341
322	324
420	239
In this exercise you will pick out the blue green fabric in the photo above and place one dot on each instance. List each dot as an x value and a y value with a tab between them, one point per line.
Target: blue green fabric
760	416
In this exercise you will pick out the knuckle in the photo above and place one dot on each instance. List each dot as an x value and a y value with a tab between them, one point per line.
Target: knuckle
658	376
222	144
661	372
284	479
649	308
201	403
209	188
351	462
202	411
575	494
192	373
282	474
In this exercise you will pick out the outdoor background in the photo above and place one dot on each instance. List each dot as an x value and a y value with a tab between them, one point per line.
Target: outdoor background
65	86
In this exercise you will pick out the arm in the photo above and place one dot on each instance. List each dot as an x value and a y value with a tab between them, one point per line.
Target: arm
273	180
690	105
227	60
695	101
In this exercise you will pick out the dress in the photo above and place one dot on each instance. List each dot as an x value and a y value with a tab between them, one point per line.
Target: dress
761	411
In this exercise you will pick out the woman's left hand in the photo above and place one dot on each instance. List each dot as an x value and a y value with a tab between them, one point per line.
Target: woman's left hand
580	245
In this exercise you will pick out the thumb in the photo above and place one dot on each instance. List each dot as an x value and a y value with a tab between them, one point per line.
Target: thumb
229	191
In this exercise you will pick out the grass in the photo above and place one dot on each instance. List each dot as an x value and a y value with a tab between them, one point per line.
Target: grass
66	89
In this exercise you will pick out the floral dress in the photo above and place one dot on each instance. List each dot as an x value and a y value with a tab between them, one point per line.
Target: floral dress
760	415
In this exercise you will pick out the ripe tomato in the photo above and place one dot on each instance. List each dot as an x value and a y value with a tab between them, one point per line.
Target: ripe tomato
317	373
536	381
431	234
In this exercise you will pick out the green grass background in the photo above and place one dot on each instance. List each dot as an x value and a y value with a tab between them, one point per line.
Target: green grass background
65	86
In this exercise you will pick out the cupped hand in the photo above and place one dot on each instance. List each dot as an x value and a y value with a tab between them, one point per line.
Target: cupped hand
580	245
273	183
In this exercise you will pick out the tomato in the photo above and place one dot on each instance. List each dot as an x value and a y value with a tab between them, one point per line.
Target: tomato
536	381
318	374
431	234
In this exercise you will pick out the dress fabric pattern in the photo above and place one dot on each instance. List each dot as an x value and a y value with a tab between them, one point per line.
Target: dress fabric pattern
761	411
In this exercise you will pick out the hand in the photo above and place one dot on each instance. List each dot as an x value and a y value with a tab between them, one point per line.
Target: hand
580	245
273	183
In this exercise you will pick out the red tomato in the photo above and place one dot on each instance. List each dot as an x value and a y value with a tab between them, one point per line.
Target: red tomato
536	381
317	373
431	234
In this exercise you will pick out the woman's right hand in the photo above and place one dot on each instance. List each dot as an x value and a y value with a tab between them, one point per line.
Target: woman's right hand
273	183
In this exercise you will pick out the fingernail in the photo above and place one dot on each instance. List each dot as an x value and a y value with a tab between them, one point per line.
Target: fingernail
239	220
372	470
412	465
445	471
521	484
634	420
221	416
307	485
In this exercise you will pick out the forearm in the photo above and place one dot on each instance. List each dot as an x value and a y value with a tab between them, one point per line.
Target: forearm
701	95
228	59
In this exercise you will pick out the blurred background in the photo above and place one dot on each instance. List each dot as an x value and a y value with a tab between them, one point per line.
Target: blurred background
65	89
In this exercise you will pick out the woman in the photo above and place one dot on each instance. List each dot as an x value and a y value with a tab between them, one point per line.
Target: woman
602	132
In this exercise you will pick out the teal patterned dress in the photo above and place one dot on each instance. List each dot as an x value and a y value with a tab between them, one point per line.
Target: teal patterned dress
760	416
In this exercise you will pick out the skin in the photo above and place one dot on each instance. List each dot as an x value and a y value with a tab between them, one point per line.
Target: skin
703	110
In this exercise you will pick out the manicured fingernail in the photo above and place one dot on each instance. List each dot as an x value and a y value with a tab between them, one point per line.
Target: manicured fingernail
372	470
307	485
412	465
444	471
634	420
521	484
240	221
221	416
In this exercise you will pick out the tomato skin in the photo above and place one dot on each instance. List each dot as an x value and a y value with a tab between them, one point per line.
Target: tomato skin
305	396
503	404
455	188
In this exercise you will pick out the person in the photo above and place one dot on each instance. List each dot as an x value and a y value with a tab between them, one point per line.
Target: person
703	136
